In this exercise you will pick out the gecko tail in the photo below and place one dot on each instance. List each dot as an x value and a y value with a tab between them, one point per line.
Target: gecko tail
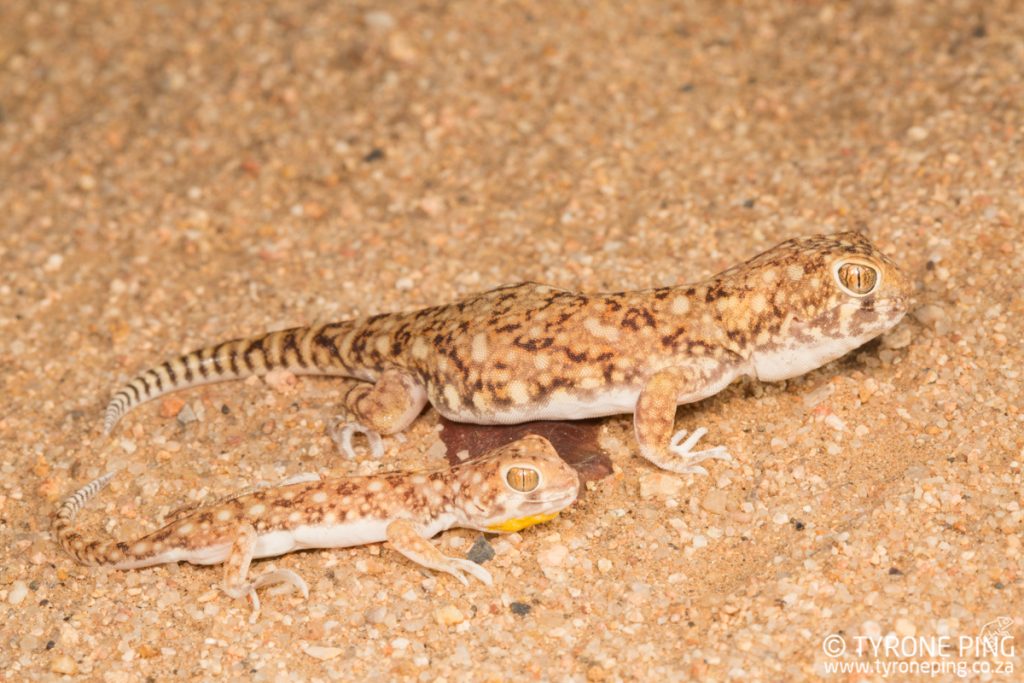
316	350
86	552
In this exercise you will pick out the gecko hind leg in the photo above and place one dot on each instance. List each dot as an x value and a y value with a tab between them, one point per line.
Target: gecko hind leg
236	569
385	407
404	538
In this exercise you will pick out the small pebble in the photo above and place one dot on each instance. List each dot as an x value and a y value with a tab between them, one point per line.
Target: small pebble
835	423
322	653
553	555
931	315
519	608
17	593
379	20
281	380
170	406
449	615
376	615
660	485
481	552
898	338
63	664
905	627
715	502
186	415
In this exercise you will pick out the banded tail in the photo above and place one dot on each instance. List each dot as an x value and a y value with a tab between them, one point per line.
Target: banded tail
86	552
313	350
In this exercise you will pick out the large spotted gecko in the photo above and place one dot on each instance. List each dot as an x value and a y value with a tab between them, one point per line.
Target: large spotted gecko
516	486
536	352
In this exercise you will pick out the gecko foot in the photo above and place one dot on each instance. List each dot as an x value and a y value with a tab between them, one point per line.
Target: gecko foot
341	434
286	576
456	566
689	457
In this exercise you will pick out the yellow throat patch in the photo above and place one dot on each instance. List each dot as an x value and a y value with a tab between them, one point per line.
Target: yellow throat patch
510	525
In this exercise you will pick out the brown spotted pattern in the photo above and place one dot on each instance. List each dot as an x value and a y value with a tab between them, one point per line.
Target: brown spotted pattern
532	351
473	495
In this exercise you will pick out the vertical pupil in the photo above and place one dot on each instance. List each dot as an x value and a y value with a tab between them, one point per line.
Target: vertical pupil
522	479
858	278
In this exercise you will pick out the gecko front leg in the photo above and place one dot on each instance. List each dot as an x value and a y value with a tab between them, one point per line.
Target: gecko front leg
404	538
385	407
236	570
654	421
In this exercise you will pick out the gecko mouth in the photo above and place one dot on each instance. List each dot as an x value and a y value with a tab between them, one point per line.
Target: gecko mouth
566	498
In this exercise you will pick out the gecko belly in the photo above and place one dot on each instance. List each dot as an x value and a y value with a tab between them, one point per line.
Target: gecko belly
359	532
340	535
560	406
582	404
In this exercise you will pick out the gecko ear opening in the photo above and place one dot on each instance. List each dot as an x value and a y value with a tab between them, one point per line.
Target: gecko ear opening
522	479
857	278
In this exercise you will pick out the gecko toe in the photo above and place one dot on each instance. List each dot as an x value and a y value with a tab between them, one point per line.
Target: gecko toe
341	434
481	574
285	576
688	458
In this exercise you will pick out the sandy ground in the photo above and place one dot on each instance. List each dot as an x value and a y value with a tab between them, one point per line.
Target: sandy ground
178	173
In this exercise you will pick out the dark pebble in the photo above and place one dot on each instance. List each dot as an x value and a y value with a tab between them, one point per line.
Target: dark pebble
520	608
481	552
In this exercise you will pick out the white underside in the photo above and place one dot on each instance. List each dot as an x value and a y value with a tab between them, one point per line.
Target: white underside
277	543
614	401
773	366
344	535
794	361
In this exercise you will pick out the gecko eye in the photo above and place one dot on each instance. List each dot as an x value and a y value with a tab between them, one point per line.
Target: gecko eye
522	479
858	279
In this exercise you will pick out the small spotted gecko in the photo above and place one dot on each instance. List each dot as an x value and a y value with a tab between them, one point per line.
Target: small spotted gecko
515	486
535	352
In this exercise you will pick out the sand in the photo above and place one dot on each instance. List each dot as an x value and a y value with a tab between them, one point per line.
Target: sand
174	174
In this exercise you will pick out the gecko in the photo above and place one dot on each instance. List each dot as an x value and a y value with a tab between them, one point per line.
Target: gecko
515	486
536	352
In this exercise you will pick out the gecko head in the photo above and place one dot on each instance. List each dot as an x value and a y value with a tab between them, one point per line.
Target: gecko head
518	485
810	300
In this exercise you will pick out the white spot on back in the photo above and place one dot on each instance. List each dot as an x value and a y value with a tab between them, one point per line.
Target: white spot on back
451	395
594	327
478	348
518	392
